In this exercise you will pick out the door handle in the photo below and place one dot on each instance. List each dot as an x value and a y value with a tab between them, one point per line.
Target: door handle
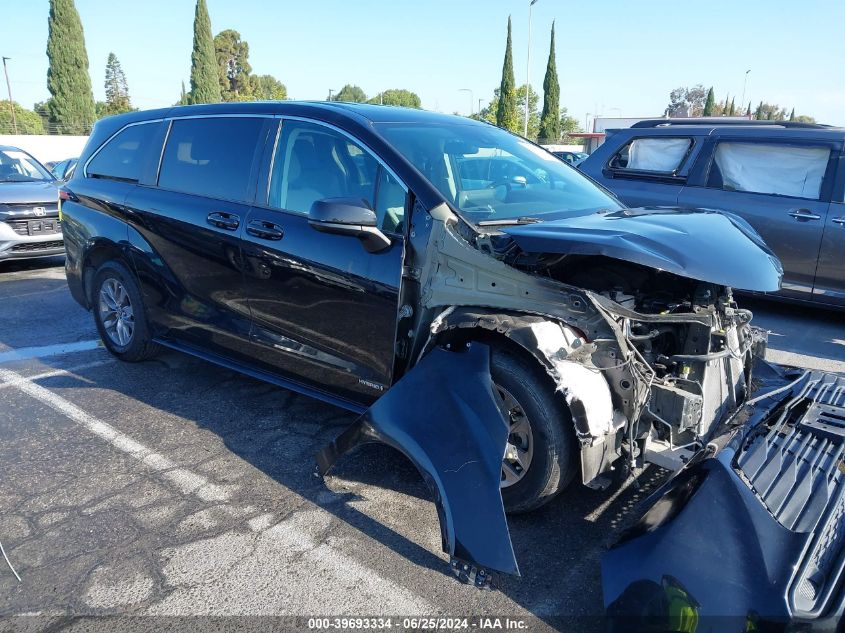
265	230
804	214
839	220
222	220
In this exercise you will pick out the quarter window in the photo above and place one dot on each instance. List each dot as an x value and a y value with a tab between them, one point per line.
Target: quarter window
785	170
313	162
122	158
211	157
661	155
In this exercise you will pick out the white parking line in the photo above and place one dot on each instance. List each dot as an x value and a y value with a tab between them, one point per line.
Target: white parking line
59	372
186	481
25	353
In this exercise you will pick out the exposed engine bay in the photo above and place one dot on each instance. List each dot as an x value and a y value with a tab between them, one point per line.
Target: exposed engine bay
640	335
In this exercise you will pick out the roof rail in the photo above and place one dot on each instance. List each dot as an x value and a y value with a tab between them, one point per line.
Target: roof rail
720	121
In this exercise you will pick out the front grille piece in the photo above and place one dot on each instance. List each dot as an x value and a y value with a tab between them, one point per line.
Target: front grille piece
797	468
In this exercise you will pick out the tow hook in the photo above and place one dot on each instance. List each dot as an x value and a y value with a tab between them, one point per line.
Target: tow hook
470	575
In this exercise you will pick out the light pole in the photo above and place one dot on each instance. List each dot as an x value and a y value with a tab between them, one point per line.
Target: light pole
744	84
331	90
587	121
9	89
471	98
528	70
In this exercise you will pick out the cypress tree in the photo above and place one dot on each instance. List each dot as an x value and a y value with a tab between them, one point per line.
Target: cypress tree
205	83
550	118
748	111
71	105
759	113
792	115
709	104
732	110
506	115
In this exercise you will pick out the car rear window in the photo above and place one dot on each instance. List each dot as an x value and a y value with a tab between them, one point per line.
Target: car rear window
122	157
784	170
211	156
664	155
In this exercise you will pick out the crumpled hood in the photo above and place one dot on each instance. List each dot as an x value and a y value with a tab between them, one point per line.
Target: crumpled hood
702	244
28	192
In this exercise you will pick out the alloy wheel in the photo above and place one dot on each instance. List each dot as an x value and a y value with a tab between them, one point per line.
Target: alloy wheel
116	313
520	447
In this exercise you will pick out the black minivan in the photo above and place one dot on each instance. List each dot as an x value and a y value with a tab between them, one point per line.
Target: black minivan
495	315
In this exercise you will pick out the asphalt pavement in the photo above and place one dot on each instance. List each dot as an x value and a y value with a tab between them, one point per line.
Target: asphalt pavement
176	488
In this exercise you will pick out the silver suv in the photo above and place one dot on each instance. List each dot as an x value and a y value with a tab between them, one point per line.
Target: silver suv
29	211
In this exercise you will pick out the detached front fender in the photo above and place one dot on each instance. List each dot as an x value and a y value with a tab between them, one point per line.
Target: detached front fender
443	416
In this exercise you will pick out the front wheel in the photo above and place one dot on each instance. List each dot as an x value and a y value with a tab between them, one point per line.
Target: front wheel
540	458
120	315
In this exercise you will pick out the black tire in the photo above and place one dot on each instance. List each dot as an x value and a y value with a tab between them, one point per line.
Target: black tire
139	345
555	457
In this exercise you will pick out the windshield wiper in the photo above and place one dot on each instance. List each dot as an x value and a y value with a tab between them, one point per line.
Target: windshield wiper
509	221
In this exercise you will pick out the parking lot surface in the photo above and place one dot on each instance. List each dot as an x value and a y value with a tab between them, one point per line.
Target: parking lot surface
174	487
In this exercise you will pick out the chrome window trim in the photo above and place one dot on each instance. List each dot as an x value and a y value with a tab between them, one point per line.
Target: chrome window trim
351	137
111	138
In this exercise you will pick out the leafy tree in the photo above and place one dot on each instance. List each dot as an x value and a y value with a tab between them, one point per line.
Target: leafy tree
686	101
233	67
205	82
533	111
568	124
351	93
117	90
506	111
28	122
550	118
267	88
71	105
397	97
709	104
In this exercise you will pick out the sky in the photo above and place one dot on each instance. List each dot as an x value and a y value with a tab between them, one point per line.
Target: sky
614	57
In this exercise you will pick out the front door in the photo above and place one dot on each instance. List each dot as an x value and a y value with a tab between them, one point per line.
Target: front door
830	275
324	309
777	188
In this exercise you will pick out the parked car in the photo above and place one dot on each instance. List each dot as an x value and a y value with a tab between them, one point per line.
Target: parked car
786	179
506	334
29	213
63	170
573	158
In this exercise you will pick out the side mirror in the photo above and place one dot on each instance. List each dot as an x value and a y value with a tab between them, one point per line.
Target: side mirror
348	216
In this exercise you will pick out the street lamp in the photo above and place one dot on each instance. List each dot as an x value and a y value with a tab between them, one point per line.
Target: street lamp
9	88
528	70
471	98
744	84
331	90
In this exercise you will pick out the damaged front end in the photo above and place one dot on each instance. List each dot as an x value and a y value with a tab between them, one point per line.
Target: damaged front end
638	332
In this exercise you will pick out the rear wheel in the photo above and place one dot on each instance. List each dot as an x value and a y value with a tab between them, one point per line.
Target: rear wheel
120	315
540	458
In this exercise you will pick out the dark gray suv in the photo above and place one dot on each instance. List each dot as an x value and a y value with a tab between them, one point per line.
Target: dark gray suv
786	179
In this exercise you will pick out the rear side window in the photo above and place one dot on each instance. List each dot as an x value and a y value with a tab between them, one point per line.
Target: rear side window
784	170
211	157
122	158
663	155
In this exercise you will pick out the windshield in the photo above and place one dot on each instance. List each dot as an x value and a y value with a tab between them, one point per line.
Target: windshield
492	176
18	166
